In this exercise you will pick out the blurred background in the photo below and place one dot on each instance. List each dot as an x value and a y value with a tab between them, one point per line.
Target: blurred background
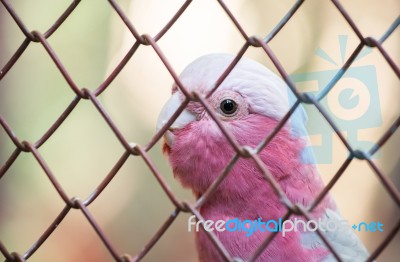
90	44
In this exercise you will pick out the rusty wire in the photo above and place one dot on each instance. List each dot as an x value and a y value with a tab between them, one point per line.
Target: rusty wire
142	151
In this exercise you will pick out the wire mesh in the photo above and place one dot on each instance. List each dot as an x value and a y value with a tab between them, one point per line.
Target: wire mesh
84	95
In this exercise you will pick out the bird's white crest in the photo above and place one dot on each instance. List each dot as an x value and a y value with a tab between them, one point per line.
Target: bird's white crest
264	91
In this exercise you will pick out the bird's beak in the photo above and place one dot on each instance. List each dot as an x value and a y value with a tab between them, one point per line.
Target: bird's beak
167	111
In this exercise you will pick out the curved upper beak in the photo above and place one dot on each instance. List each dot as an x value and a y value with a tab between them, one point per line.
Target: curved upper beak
167	111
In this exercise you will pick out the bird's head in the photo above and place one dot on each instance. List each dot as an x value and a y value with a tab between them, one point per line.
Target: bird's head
249	102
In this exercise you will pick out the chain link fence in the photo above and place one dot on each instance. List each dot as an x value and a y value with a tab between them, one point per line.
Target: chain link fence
131	150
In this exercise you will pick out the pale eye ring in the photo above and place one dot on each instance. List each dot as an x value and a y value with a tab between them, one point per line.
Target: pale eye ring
228	107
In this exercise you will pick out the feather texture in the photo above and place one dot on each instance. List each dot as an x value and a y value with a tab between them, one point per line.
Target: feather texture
199	152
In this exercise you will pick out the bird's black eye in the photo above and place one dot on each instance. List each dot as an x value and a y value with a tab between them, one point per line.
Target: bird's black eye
228	106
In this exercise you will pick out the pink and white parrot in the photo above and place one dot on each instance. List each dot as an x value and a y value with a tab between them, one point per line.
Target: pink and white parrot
250	102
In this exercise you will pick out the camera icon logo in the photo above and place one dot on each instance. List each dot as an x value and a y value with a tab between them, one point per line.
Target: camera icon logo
353	104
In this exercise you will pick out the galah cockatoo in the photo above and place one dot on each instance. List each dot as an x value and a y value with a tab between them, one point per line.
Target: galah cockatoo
250	102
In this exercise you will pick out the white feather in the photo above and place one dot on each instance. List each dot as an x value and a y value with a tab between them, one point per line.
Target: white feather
343	239
264	91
